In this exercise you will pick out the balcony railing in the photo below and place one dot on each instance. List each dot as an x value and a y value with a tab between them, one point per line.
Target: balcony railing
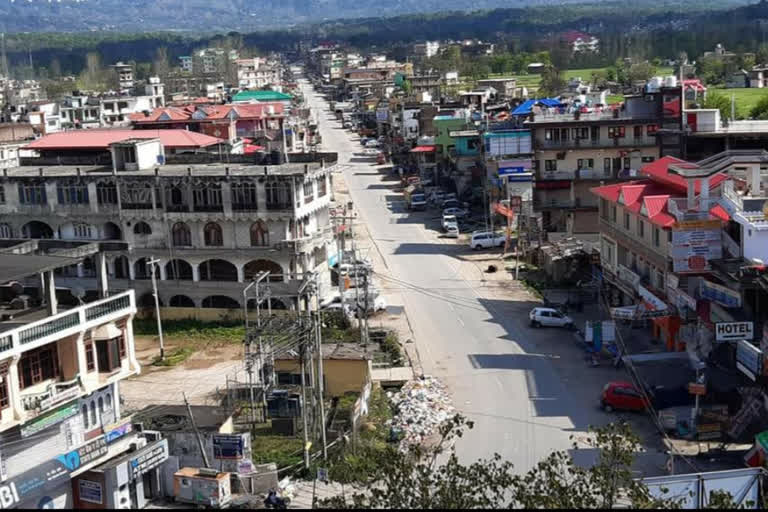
563	203
287	205
209	208
65	323
245	207
595	143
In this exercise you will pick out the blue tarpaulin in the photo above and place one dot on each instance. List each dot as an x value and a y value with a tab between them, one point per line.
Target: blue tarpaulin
525	107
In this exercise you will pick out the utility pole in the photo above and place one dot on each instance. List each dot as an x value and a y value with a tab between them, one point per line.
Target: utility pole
249	339
197	432
365	310
151	263
320	385
303	356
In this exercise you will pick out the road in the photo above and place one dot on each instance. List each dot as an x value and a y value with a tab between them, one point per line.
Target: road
524	396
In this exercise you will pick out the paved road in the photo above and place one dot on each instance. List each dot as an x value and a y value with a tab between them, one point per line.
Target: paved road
525	397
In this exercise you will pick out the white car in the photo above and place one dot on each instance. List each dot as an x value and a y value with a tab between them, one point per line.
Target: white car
452	231
486	240
456	212
371	151
549	317
372	144
449	220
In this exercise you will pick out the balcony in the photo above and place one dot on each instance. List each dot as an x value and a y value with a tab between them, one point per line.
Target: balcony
37	403
52	328
281	205
245	207
216	208
596	143
604	115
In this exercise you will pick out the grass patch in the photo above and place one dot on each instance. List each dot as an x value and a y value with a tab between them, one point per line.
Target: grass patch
391	347
193	330
533	287
177	356
745	98
282	450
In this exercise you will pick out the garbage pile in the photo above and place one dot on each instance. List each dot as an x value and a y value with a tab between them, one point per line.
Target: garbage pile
421	406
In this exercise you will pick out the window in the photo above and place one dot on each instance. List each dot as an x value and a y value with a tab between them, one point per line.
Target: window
550	165
72	193
626	221
607	165
244	196
613	213
94	419
627	162
181	235
564	134
278	195
4	398
669	236
109	400
32	193
39	365
581	133
123	353
616	132
552	134
2	194
106	193
638	132
322	187
212	235
108	354
586	163
142	228
651	129
656	237
82	230
174	196
207	197
641	228
259	234
308	192
6	231
101	405
647	159
90	363
84	413
594	133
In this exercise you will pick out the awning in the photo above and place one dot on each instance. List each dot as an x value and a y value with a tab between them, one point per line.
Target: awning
720	212
106	332
252	148
526	107
423	149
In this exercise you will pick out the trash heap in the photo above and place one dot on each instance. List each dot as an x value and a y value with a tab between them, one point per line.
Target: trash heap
421	406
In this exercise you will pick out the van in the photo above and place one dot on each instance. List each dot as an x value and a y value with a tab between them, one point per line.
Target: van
486	240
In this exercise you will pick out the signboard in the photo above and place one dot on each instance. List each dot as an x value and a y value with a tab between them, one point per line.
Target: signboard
322	474
694	388
148	458
226	446
64	396
749	359
90	491
117	430
624	312
725	331
686	300
515	201
382	114
627	276
48	420
696	224
717	293
500	144
245	466
605	328
672	281
656	303
709	431
694	243
506	171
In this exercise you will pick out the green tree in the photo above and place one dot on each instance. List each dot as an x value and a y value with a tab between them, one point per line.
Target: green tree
552	81
640	71
407	87
431	478
719	101
762	54
760	110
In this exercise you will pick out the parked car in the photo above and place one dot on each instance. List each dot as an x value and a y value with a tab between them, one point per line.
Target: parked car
486	240
623	396
457	212
375	304
373	143
452	231
549	317
451	203
347	125
449	220
371	151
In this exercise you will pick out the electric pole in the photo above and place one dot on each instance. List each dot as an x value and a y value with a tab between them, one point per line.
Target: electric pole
151	264
197	432
320	384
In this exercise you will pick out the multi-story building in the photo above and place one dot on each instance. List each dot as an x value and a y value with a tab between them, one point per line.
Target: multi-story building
581	42
125	78
427	49
13	137
62	357
79	111
185	63
211	223
573	150
254	73
44	116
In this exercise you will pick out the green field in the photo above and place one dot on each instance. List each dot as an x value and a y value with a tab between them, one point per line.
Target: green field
532	81
745	99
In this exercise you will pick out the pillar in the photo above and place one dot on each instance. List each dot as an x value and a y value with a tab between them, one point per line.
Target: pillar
131	269
691	196
82	364
754	180
240	273
80	271
195	272
49	292
162	274
101	274
14	387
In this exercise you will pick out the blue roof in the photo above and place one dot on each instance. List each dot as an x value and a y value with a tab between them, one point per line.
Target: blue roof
525	107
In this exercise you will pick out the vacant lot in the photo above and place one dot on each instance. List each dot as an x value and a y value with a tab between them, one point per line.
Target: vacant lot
745	99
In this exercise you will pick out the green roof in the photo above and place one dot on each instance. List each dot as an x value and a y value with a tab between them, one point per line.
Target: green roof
261	96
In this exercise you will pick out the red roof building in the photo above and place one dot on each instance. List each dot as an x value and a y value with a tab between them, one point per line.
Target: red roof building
223	121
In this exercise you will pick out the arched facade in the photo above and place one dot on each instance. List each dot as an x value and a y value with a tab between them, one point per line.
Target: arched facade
220	301
178	270
121	268
259	234
181	301
5	230
141	269
212	235
217	270
36	229
112	231
181	236
252	269
142	229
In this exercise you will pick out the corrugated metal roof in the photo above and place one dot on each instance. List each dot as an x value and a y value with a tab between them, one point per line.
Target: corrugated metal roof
101	139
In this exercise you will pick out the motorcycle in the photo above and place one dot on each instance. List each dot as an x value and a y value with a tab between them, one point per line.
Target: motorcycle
276	502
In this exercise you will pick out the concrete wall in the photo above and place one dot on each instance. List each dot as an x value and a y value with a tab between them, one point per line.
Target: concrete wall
341	375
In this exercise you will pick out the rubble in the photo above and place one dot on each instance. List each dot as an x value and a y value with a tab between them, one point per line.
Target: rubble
421	406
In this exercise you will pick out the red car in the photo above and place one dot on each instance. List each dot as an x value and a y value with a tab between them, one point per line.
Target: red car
621	395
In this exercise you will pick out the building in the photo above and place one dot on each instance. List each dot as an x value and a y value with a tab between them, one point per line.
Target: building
427	49
346	368
44	116
262	97
506	88
13	137
254	73
580	42
61	361
124	77
186	63
573	150
758	77
80	111
212	222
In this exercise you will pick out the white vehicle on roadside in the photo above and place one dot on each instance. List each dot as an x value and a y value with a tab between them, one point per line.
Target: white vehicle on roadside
456	212
449	220
549	317
486	240
452	231
373	143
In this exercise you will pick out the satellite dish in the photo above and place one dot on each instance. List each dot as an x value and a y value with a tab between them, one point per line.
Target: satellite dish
78	292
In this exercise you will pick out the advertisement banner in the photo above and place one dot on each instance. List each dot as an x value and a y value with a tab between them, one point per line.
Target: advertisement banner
749	359
149	457
90	491
115	431
720	294
227	446
50	419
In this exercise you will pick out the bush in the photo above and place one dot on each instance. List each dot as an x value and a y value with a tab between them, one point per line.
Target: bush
177	356
391	346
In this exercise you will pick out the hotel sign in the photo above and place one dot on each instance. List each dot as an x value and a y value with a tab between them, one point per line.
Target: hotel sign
725	331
